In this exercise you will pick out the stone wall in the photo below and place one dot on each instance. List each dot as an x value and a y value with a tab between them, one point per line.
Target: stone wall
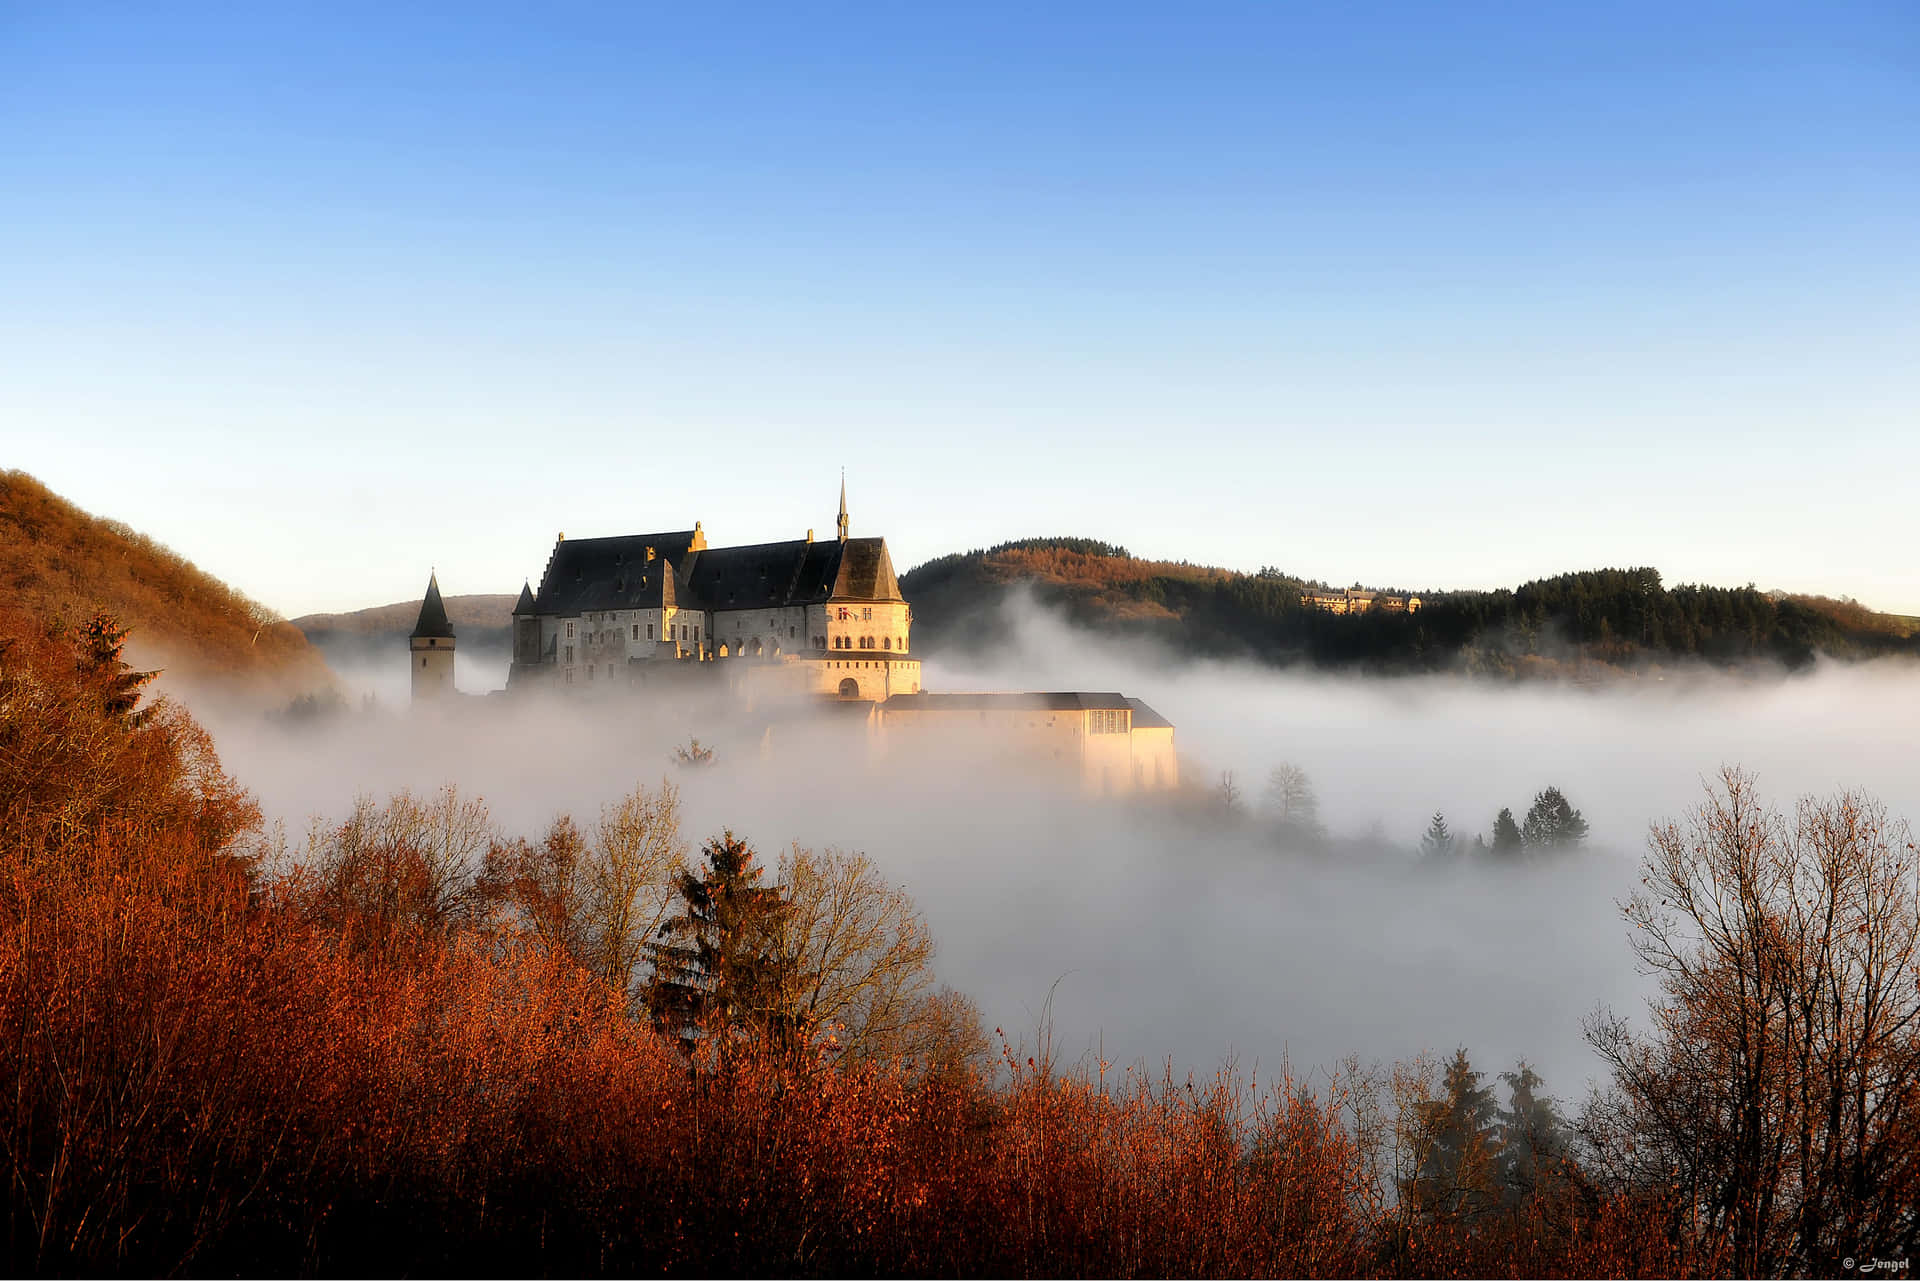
431	658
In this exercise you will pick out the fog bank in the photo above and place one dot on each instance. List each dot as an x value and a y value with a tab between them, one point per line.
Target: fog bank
1173	931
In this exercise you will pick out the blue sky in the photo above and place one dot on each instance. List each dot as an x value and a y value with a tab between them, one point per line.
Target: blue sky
1411	294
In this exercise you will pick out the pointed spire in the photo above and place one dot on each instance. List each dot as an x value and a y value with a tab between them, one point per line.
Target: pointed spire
525	604
843	504
433	613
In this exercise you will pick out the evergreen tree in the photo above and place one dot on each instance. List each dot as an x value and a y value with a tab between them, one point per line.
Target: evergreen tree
715	970
1532	1139
1459	1175
1553	823
101	641
1438	841
1507	839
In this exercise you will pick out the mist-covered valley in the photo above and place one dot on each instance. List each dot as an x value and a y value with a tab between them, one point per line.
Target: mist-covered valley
1175	928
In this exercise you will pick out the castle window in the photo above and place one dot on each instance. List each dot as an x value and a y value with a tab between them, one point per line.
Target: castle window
887	643
636	631
866	614
649	631
569	631
792	632
569	652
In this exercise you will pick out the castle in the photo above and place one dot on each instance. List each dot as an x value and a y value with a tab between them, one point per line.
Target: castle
783	623
798	617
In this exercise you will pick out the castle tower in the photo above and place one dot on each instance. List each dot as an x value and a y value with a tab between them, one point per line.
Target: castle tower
430	648
843	505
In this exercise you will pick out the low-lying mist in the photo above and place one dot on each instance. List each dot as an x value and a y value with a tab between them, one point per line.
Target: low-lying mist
1170	928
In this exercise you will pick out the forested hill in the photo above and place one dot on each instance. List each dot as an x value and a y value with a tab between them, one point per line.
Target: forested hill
488	613
59	565
482	627
1578	624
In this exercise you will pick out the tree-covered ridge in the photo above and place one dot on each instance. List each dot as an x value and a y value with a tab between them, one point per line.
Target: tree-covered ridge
1584	623
57	562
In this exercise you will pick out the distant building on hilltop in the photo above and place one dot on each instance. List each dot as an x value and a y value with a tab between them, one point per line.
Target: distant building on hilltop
1356	600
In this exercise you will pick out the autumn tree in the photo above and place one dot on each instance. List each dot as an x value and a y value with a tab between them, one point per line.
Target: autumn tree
855	965
406	866
1779	1081
599	896
636	856
74	753
537	890
1290	801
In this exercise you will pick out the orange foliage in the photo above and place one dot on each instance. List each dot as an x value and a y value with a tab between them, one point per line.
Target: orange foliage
1851	615
1085	570
57	561
204	1074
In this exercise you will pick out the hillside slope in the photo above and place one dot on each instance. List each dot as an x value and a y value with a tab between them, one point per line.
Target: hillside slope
58	562
377	636
478	613
1579	624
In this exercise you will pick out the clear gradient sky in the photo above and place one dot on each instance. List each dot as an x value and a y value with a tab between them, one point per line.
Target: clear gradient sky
1419	294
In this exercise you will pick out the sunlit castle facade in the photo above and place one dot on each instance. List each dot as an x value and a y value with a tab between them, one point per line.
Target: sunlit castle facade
819	617
787	623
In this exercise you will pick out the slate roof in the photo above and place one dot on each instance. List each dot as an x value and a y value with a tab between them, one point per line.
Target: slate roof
1054	701
433	613
525	604
865	571
1145	717
775	575
613	573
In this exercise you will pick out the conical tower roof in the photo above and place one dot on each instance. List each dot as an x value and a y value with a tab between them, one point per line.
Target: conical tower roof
525	604
433	613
